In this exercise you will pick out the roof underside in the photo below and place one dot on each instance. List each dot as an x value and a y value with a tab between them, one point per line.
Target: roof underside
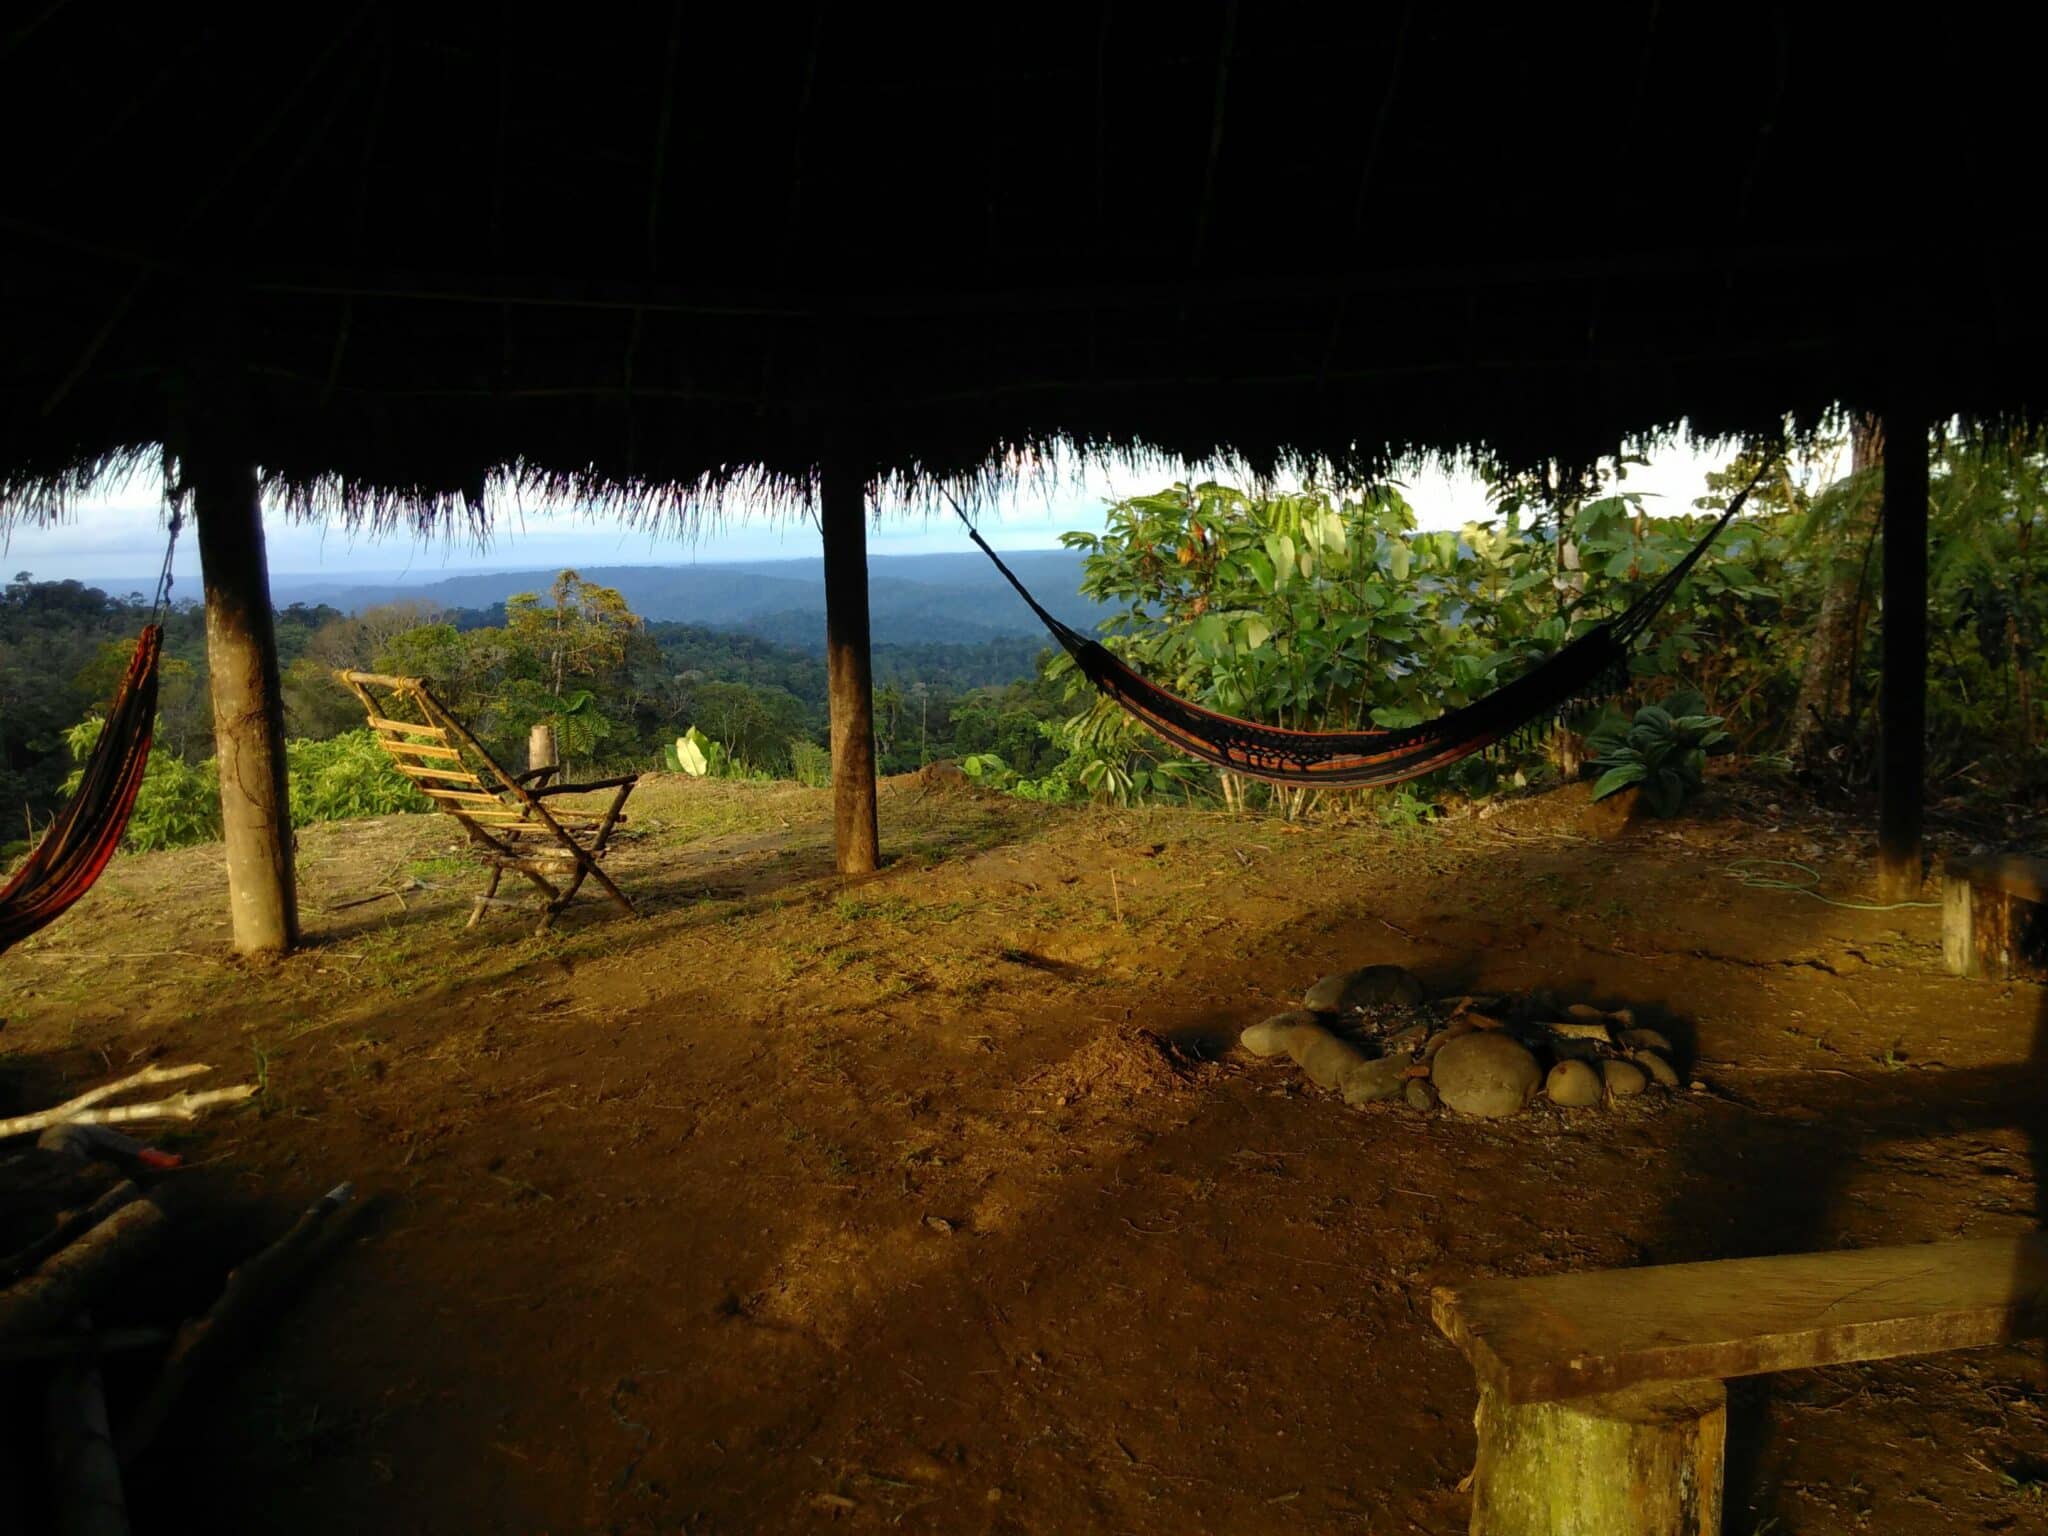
403	247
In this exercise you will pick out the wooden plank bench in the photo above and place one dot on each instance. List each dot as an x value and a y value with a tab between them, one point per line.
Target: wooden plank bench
1602	1404
1994	916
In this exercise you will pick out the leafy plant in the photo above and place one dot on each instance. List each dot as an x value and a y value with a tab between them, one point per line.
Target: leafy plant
1662	750
178	803
809	763
345	777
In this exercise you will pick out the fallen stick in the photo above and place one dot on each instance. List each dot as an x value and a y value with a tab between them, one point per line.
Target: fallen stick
249	1285
185	1106
68	1227
148	1077
69	1281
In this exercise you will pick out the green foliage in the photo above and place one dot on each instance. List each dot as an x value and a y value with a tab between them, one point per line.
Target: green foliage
696	754
178	803
345	777
809	763
1662	750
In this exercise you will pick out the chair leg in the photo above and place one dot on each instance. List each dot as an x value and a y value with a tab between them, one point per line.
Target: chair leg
597	845
483	902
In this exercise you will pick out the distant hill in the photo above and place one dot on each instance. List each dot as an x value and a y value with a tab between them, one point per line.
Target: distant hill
943	598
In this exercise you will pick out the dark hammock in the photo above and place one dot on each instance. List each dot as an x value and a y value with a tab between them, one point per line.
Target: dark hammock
86	832
1592	666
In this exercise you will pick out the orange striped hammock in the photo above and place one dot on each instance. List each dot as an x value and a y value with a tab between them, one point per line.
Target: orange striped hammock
1594	665
89	828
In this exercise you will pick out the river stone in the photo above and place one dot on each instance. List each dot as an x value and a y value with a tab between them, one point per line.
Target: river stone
1586	1013
1269	1037
1573	1084
1420	1094
1322	1056
1363	988
1646	1040
1443	1037
1657	1067
1371	1081
1485	1074
1580	1029
1624	1079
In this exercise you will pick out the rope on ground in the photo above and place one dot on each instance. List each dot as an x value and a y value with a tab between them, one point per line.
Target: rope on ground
1751	875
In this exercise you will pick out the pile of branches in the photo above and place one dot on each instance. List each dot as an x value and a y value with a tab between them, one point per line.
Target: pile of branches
86	1207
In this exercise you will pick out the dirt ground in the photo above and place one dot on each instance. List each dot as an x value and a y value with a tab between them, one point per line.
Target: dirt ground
798	1204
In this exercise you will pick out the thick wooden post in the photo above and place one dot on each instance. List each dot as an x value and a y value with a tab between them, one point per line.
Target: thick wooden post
1643	1462
248	703
1902	750
844	515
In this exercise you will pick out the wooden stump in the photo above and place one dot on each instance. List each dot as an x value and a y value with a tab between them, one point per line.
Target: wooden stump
1991	917
1646	1461
540	748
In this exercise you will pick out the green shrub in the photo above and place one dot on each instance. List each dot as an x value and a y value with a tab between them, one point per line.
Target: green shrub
809	764
1663	750
345	777
179	802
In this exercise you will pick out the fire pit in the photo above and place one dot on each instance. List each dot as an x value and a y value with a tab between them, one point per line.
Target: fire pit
1374	1035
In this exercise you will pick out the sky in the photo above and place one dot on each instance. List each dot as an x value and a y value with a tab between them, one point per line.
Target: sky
117	531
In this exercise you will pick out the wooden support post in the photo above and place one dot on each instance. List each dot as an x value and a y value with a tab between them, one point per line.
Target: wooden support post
843	513
1646	1461
1902	750
248	699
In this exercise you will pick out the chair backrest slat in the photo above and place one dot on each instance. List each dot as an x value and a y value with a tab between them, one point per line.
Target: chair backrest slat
458	773
378	722
417	749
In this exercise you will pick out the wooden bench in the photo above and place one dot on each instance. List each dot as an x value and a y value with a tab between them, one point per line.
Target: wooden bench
1994	916
1602	1404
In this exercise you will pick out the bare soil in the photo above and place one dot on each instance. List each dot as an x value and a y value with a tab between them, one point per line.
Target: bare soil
941	1201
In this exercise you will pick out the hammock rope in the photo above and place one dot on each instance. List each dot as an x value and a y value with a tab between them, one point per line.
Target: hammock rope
1594	665
88	830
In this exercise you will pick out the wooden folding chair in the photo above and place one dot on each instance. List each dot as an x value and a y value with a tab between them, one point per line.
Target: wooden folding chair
504	814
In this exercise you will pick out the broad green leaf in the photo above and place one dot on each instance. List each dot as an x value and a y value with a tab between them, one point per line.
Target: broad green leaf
1617	779
1281	548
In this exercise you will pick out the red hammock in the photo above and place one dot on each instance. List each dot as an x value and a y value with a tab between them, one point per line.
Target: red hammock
88	830
1592	666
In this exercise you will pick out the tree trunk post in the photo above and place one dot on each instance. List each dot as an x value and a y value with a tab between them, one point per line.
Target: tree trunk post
540	748
1648	1461
843	514
1902	751
248	700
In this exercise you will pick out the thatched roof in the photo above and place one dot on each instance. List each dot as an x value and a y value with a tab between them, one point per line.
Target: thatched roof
627	253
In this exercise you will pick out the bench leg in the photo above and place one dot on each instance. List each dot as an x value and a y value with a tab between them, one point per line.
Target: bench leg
1644	1462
